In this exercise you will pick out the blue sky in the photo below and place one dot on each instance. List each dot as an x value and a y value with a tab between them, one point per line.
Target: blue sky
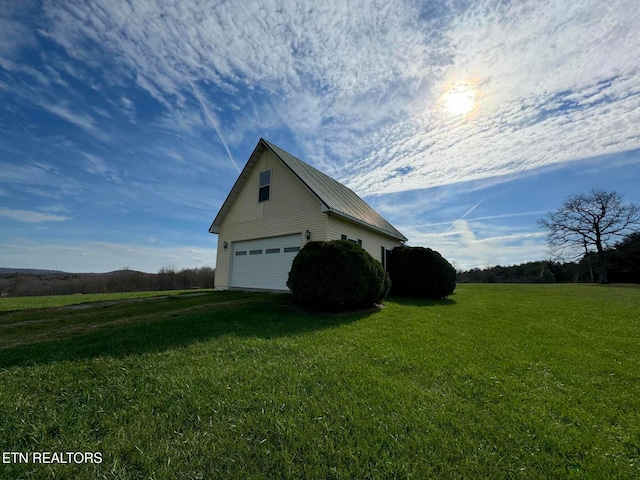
122	123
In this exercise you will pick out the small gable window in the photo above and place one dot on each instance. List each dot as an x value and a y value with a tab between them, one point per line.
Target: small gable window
265	186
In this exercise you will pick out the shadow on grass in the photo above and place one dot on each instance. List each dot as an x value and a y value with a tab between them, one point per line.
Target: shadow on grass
271	316
421	302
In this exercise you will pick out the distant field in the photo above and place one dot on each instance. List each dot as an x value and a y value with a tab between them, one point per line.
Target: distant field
499	381
25	303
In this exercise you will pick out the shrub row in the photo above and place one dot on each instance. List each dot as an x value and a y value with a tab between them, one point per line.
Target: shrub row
341	275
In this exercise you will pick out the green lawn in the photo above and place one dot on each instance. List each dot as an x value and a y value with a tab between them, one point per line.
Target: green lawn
499	381
25	303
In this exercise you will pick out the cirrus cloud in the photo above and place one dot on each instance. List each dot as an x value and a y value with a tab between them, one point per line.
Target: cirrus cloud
29	216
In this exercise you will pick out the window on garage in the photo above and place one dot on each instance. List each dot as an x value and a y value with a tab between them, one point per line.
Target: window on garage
265	186
353	240
384	254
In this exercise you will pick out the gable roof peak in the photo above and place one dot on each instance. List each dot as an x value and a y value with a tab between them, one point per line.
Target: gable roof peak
335	197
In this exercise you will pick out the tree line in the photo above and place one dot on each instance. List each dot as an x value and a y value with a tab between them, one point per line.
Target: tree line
18	283
580	234
622	264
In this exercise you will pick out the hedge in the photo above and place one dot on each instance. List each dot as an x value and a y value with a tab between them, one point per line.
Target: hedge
337	275
420	272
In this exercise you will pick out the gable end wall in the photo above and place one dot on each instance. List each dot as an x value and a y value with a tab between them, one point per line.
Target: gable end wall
291	209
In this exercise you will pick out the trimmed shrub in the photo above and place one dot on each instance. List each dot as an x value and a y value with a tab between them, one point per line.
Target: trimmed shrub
337	275
420	272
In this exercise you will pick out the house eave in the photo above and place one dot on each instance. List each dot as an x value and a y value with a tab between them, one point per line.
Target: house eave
237	187
360	223
325	203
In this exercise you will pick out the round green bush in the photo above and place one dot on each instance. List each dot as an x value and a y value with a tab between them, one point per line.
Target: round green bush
420	272
337	275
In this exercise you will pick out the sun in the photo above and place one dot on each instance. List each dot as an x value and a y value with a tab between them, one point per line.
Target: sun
459	100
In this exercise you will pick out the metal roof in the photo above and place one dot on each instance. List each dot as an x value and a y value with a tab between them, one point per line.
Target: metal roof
336	198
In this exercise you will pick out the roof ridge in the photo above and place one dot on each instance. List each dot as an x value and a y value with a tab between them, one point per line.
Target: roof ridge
337	197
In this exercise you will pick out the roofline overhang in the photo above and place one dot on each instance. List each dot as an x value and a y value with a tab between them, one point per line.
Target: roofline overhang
360	223
237	186
248	168
325	208
295	174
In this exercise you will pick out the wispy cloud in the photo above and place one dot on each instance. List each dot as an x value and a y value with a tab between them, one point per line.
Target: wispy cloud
82	120
127	106
355	88
14	31
536	66
363	60
39	93
471	244
29	216
26	174
537	213
368	76
98	166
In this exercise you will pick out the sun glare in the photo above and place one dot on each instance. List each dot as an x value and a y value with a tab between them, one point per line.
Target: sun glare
459	100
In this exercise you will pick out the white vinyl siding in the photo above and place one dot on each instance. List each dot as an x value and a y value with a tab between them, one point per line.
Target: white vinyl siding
371	241
291	209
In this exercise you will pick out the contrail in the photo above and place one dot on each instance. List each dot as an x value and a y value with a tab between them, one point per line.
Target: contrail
472	208
213	123
463	216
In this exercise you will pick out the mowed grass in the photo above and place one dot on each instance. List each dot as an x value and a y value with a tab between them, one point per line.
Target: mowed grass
27	303
499	381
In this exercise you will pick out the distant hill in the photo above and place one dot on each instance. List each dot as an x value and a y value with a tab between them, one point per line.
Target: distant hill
121	272
39	271
16	282
28	271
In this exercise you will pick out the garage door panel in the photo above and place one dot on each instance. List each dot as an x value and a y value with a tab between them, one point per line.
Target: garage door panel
264	263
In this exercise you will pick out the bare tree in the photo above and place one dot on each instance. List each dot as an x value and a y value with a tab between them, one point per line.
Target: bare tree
585	221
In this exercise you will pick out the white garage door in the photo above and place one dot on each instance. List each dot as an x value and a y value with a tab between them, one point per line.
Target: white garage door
264	263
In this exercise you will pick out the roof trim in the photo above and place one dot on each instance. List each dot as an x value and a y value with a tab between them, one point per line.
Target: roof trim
331	193
237	187
349	218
